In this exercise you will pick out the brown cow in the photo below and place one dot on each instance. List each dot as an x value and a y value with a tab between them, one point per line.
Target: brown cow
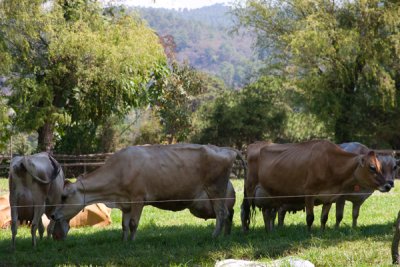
35	183
314	171
171	177
354	194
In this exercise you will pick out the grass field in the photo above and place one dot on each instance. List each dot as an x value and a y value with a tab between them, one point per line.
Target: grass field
179	239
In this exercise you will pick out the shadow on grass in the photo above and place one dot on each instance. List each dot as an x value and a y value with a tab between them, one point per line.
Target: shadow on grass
184	245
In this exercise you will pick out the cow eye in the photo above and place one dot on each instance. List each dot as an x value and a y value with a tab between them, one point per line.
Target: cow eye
63	198
372	168
395	167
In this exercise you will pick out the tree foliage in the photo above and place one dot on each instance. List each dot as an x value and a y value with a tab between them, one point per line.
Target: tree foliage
242	117
342	57
73	63
183	92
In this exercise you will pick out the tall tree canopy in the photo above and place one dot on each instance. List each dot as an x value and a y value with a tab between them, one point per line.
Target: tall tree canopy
341	56
73	62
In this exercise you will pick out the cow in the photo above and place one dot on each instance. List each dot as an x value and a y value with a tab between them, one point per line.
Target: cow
251	181
35	185
395	241
389	169
313	172
355	194
170	177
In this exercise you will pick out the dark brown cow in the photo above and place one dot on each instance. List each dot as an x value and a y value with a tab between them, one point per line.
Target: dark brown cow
171	177
36	183
310	171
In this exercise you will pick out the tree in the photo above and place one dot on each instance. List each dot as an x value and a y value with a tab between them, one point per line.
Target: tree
341	56
242	117
74	63
178	102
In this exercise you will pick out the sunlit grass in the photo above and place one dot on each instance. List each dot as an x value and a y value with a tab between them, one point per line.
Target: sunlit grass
166	238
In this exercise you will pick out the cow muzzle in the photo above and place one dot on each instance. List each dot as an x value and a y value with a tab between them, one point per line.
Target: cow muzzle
61	229
385	188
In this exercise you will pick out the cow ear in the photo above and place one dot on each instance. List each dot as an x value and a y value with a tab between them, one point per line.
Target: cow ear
371	153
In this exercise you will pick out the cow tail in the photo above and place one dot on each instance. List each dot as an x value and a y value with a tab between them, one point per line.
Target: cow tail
56	167
245	213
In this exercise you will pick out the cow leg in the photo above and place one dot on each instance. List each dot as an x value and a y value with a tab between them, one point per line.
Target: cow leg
273	217
126	218
221	213
37	216
339	211
228	222
267	218
41	228
356	212
281	217
324	215
50	228
14	225
136	212
309	211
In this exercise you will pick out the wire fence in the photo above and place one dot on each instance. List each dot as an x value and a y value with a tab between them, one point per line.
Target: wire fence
191	200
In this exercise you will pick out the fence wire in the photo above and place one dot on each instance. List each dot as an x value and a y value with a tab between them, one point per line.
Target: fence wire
150	202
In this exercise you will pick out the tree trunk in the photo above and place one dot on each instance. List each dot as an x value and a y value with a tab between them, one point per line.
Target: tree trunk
46	138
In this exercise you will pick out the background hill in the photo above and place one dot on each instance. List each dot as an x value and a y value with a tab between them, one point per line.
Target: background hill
202	39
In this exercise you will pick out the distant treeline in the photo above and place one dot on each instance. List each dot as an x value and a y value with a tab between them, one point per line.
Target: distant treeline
202	37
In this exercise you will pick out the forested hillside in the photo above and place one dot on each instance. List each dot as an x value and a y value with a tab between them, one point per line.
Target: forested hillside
202	39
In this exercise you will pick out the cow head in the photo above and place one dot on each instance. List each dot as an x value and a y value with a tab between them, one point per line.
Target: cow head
72	202
369	173
390	168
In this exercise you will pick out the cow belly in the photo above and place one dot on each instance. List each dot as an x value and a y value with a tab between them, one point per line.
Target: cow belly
171	205
202	207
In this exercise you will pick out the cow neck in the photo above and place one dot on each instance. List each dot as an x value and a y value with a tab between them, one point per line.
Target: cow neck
96	186
349	168
84	192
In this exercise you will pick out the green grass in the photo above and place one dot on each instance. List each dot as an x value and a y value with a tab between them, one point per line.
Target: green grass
179	239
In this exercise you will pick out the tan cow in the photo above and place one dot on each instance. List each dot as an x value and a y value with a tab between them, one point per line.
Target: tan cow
35	183
170	177
314	171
